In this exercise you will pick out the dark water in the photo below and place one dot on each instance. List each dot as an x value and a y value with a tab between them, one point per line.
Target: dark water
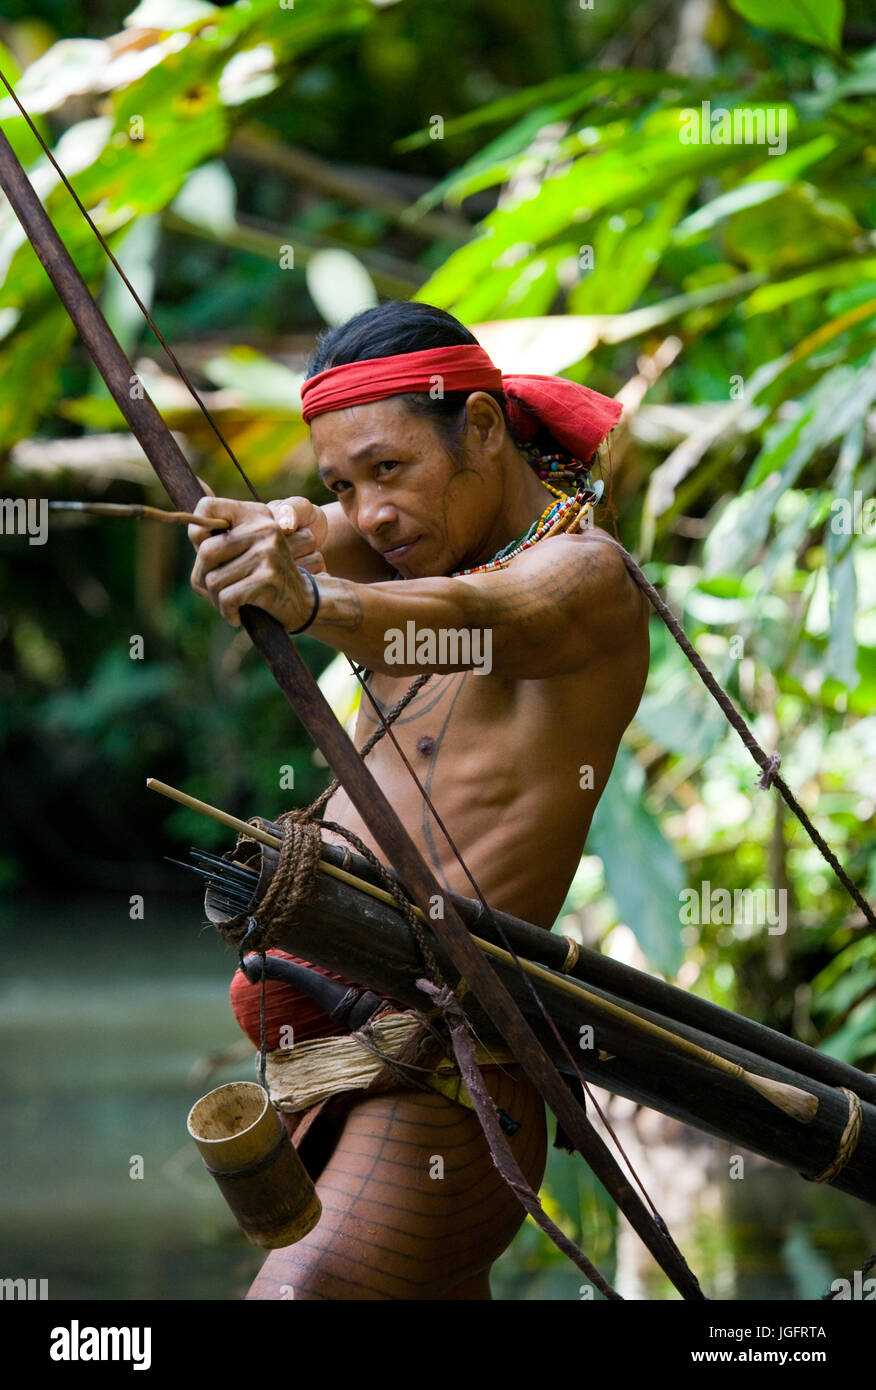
102	1022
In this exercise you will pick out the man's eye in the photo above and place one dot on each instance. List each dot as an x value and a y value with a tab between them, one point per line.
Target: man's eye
339	487
388	464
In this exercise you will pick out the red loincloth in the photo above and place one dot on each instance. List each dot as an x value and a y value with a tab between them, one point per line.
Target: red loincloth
285	1006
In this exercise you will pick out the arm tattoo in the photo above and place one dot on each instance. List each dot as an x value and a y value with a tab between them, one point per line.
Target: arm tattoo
343	608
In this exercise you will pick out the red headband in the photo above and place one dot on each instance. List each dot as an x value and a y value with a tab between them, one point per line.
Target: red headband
578	418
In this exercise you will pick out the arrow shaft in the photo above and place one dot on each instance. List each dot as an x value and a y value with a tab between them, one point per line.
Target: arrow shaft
306	699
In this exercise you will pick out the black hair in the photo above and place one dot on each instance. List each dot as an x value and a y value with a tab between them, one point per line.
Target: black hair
400	326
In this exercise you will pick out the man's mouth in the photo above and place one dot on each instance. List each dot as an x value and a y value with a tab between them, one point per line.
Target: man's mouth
399	552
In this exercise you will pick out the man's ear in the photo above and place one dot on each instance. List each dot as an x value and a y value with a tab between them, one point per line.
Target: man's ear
484	416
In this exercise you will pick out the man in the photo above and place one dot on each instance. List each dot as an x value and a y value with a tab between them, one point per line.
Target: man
445	527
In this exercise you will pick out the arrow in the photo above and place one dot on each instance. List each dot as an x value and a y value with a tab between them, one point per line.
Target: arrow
306	699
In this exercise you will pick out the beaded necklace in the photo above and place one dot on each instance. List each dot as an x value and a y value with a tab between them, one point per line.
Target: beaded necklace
559	516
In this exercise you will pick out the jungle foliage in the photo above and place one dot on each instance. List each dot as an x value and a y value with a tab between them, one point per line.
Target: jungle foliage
262	170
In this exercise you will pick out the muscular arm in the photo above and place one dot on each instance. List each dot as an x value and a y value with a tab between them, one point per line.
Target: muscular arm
547	614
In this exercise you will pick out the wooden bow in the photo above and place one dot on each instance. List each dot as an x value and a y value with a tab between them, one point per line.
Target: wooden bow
308	702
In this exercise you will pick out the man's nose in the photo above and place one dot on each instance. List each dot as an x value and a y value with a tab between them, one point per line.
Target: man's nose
373	511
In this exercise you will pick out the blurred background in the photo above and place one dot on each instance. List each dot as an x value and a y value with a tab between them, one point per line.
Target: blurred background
263	170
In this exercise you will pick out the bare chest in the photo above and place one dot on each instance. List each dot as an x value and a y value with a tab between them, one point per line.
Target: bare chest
501	762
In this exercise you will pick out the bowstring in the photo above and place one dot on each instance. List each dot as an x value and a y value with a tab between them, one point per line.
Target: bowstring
184	377
487	911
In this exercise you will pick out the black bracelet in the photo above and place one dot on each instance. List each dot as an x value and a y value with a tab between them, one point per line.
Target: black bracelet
294	632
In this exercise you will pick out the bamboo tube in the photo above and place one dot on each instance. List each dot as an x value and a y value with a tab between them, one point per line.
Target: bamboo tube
264	837
792	1100
799	1104
245	1147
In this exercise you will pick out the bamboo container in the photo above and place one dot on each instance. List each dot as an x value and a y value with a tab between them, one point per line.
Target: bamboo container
244	1144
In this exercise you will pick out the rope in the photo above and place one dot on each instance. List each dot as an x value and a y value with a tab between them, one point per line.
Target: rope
293	881
848	1140
303	836
503	1158
768	763
572	955
387	720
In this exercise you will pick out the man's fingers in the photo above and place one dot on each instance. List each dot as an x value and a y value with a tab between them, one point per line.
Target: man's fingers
237	567
285	513
197	534
214	552
297	514
305	552
230	509
255	561
313	562
252	588
231	600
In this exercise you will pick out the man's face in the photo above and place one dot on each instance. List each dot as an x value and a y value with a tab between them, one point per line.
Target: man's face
399	487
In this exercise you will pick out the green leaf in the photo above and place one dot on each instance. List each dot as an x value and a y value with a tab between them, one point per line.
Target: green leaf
620	85
208	198
261	382
30	363
647	164
797	228
642	871
168	14
526	289
747	195
838	400
501	158
136	255
856	1040
842	648
117	689
818	22
339	285
860	81
69	68
843	272
627	249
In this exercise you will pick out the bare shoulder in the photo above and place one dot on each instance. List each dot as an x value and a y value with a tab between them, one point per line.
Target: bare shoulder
597	542
595	556
617	606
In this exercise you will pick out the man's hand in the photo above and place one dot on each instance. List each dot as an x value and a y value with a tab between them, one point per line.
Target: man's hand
307	527
256	561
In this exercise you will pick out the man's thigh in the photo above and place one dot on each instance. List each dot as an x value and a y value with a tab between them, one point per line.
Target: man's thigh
413	1206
